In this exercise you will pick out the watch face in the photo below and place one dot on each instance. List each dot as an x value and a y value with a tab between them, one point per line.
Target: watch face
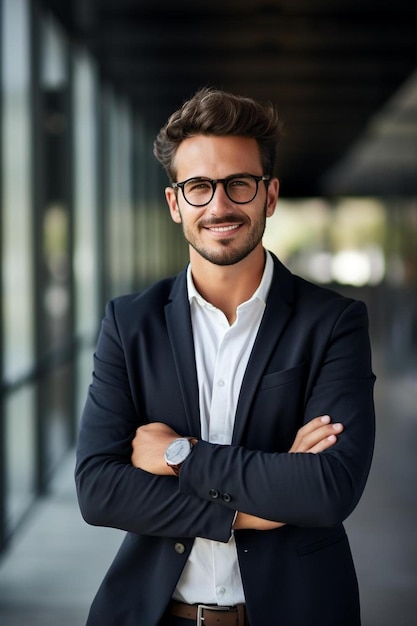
177	451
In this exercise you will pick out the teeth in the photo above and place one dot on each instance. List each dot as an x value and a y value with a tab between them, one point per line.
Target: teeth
223	229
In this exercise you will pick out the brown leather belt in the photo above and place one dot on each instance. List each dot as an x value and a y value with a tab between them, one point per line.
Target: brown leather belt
211	615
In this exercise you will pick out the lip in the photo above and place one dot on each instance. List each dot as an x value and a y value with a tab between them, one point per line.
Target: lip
223	230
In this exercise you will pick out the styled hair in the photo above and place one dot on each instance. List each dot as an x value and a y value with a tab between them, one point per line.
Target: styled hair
218	113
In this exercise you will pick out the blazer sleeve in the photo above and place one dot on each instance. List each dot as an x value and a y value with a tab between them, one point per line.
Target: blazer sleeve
301	488
111	492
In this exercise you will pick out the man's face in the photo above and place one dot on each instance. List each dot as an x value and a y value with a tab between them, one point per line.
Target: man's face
222	232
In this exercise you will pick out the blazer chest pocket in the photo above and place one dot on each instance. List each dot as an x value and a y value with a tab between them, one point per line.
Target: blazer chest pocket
277	410
284	377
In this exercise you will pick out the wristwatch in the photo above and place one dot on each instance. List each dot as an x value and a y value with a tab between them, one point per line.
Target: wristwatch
178	451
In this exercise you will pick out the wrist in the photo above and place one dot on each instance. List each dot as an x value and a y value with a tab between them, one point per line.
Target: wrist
178	451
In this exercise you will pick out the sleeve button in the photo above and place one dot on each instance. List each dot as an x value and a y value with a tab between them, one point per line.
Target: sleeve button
214	494
226	497
179	548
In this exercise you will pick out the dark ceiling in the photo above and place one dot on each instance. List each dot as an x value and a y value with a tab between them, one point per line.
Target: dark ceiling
331	67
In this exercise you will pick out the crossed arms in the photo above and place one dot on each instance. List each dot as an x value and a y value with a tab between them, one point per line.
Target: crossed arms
140	494
151	440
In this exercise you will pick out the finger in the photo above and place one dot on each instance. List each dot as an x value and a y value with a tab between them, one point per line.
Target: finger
308	429
324	444
318	422
322	434
135	438
308	440
313	425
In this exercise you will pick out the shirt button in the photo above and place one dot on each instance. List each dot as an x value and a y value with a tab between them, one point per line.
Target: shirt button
179	548
221	591
221	382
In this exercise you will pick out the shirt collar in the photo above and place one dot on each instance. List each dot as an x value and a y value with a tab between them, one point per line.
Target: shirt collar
261	292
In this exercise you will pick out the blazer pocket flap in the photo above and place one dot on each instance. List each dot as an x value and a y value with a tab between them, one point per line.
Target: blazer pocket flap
284	377
325	542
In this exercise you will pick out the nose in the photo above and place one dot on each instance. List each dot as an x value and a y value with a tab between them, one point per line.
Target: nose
220	203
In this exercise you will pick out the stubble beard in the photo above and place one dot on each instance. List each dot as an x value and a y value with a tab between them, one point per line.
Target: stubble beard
228	254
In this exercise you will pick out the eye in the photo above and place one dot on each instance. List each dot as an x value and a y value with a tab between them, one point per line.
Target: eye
198	185
239	182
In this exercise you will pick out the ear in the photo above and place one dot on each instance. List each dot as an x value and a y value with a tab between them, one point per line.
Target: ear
171	198
272	198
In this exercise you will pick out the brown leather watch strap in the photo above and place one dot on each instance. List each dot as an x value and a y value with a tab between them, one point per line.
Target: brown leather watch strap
176	468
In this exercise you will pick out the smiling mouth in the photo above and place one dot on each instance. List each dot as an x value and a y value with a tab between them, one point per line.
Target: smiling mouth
224	229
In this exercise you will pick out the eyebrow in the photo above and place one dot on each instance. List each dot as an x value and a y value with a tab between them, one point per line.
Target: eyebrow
223	177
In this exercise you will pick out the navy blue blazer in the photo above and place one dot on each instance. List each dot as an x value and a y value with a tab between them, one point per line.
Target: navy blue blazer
311	357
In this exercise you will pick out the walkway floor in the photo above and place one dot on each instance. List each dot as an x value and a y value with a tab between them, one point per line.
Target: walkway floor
54	566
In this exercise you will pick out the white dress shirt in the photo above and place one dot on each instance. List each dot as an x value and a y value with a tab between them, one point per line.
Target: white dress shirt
211	574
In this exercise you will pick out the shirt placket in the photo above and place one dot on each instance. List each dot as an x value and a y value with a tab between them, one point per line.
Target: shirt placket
221	421
220	431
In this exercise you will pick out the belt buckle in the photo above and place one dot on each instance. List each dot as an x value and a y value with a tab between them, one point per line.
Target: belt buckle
207	607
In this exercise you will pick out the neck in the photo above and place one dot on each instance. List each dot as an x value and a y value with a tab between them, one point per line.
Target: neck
227	286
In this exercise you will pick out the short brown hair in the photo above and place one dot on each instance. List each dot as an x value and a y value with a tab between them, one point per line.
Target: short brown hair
218	113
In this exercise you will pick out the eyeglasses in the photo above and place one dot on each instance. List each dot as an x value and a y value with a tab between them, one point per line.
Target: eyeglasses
239	188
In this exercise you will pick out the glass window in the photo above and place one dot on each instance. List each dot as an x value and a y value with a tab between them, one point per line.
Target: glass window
86	254
17	262
54	224
54	210
87	272
120	230
20	454
17	271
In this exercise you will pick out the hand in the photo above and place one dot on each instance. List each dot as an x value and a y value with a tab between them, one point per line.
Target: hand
149	445
316	436
246	521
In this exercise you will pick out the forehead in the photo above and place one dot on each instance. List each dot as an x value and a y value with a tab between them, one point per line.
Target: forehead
217	157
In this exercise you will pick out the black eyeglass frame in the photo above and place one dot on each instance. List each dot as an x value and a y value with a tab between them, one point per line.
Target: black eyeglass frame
224	181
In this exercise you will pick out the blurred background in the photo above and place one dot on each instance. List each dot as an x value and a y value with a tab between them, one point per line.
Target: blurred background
85	87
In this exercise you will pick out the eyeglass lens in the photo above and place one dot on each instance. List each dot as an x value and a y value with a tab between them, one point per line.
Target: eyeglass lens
239	189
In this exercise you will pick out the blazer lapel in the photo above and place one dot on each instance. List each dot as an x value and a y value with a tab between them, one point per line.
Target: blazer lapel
277	312
178	319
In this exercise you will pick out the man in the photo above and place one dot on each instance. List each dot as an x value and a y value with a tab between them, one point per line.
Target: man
247	393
